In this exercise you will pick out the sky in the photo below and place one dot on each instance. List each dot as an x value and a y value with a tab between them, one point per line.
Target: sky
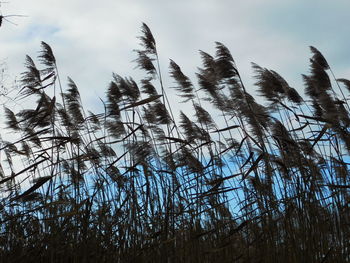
92	39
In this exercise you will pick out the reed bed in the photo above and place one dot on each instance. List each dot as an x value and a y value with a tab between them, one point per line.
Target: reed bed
232	180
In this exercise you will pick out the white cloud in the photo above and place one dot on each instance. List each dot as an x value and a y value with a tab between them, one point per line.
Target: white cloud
93	38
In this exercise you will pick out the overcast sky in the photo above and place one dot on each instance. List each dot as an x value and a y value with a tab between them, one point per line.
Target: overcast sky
92	39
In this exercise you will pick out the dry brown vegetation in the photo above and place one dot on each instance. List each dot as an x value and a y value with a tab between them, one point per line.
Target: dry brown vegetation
232	181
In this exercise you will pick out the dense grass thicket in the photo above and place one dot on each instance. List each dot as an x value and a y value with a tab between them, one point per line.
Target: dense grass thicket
230	181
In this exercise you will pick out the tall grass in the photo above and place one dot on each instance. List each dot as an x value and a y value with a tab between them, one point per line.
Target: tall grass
231	181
